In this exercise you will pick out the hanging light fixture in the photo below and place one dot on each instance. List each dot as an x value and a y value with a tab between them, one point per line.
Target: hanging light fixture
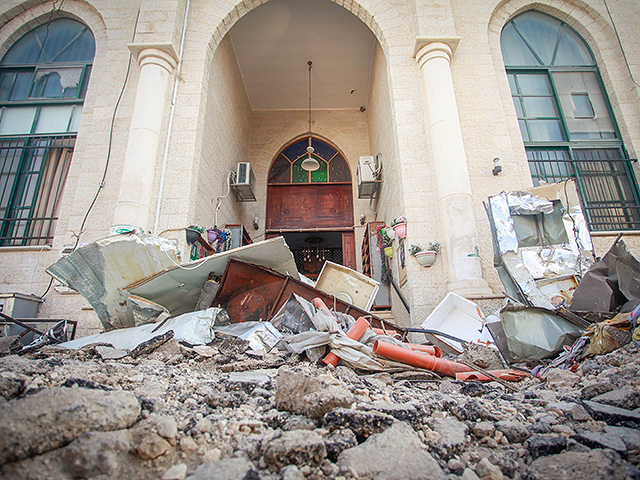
310	164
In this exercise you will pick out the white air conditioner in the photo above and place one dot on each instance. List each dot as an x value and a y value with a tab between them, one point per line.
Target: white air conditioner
245	183
368	177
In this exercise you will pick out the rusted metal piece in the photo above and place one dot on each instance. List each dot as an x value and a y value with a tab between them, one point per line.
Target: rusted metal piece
252	293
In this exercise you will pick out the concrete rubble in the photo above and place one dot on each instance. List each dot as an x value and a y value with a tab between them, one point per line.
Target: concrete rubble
173	413
253	376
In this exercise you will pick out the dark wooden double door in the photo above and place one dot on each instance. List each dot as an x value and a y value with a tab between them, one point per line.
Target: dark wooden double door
320	210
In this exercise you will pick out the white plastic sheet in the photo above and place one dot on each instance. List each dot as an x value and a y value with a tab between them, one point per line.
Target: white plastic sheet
195	328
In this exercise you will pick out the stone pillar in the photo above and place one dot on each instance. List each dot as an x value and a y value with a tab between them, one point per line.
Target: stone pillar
452	174
132	209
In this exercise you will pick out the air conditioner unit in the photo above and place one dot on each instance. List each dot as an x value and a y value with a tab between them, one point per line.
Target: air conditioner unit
368	177
245	183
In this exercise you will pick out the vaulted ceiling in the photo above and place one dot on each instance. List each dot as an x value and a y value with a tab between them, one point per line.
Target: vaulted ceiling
274	42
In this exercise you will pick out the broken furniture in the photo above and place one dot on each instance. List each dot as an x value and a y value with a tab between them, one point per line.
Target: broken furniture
252	292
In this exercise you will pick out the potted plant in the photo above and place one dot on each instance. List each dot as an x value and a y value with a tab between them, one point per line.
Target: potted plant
425	256
384	242
217	238
193	233
399	226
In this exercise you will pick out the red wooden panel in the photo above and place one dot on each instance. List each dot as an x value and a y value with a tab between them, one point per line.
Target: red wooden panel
349	249
309	206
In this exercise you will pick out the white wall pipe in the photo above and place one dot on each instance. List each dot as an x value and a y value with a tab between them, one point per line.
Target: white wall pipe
171	116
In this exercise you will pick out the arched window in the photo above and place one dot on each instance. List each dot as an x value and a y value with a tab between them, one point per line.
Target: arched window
43	80
566	120
287	167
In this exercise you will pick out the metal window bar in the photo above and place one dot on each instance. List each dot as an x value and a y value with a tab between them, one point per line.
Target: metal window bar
605	180
33	170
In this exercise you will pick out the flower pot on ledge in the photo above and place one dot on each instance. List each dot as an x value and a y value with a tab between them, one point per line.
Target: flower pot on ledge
426	257
400	229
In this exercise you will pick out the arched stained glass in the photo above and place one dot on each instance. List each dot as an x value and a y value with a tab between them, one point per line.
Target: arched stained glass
287	167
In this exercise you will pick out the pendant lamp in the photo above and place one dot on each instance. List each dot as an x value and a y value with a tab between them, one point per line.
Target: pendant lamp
310	164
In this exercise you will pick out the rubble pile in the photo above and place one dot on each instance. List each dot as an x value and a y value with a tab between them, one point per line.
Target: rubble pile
235	366
220	413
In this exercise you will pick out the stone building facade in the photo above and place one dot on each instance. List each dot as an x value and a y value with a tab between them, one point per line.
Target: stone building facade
155	154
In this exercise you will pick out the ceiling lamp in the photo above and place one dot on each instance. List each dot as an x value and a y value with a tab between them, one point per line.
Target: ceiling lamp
310	164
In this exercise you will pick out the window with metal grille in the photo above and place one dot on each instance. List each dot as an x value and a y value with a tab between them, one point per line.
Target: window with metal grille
566	120
43	81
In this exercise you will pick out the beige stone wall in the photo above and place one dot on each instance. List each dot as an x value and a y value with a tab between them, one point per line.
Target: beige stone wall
214	127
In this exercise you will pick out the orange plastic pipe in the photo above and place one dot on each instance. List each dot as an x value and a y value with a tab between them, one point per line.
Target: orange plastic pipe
430	349
509	375
419	359
390	332
354	333
321	305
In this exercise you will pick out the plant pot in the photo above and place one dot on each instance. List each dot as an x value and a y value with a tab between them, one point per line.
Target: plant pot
212	235
426	257
400	229
388	251
192	235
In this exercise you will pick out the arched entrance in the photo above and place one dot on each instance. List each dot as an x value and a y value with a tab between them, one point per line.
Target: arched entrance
312	210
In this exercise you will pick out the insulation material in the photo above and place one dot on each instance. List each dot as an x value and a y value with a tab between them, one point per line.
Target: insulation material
195	328
532	334
101	270
542	235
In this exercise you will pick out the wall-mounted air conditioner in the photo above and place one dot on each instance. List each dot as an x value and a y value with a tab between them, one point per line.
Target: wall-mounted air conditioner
368	177
245	183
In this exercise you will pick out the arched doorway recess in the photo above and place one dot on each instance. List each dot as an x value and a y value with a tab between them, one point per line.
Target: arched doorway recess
312	210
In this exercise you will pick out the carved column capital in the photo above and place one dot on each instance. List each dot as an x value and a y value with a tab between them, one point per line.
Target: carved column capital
161	54
427	48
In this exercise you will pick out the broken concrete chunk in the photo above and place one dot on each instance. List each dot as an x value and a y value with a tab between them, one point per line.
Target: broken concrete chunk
453	436
338	441
363	424
56	416
515	432
594	465
301	393
395	454
95	453
297	447
226	469
622	398
545	444
612	415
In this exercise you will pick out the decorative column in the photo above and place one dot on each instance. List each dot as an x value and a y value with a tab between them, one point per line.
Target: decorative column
450	161
132	209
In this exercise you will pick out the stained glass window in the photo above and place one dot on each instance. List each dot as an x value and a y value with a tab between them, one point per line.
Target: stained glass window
287	167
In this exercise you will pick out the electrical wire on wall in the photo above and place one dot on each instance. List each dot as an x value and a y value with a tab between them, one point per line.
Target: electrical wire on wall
113	120
219	199
624	55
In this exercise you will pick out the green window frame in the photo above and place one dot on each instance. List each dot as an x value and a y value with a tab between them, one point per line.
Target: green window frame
43	83
565	118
